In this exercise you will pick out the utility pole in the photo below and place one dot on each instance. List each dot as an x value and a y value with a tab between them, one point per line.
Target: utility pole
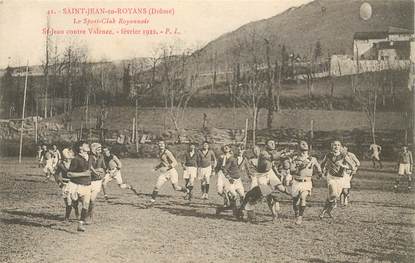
23	110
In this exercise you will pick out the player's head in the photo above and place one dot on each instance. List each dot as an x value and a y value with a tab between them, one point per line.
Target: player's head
96	148
270	144
106	151
226	148
54	147
303	145
191	147
336	146
205	145
404	148
256	150
162	145
345	149
67	154
286	164
44	147
81	147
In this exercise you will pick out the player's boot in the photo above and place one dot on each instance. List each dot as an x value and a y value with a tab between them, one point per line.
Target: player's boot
251	217
346	200
299	220
81	226
151	203
106	197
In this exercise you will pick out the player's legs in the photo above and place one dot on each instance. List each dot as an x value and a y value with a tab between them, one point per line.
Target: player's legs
160	182
96	187
220	183
105	181
401	173
174	178
334	186
192	177
84	197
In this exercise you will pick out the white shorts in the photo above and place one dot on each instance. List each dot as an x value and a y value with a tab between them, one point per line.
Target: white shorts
335	185
347	178
265	178
300	187
236	188
375	156
79	191
49	168
190	173
287	179
223	183
204	173
166	176
95	189
113	174
66	193
404	169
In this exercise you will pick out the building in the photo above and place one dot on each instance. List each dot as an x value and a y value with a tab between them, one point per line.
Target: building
390	45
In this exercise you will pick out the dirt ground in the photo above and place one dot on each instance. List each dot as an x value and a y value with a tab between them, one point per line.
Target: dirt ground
378	226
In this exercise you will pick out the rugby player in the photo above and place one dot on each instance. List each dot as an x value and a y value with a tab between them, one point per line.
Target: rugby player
167	172
302	169
98	168
405	164
348	175
190	169
79	185
375	151
61	178
113	165
206	161
334	165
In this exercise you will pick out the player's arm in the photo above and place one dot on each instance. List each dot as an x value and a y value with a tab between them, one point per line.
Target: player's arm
213	159
318	168
58	176
118	162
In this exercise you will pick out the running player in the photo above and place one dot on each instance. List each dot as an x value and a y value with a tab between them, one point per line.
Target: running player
375	151
334	165
264	183
113	165
190	169
98	168
80	180
405	164
348	175
61	178
48	164
235	168
222	181
206	161
167	170
302	169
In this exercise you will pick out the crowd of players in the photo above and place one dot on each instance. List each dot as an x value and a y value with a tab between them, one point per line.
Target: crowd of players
85	170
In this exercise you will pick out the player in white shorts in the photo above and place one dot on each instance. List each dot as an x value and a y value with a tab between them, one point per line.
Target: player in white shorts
98	168
56	156
348	175
334	165
206	161
222	181
113	166
190	169
302	169
375	151
167	170
79	185
61	178
405	164
236	167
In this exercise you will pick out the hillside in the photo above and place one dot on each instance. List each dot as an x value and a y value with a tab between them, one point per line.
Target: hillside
299	28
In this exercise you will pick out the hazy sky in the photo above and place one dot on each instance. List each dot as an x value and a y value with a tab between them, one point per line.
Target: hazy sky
197	21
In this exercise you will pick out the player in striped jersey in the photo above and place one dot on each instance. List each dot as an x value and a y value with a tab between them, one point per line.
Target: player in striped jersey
167	170
334	166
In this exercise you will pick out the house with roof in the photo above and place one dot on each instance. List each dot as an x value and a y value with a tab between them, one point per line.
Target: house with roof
390	45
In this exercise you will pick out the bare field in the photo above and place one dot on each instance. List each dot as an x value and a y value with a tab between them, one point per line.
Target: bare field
378	226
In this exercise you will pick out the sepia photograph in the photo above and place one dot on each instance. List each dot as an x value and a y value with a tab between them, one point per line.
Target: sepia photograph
207	131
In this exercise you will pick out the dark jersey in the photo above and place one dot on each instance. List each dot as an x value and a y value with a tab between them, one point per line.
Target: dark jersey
79	165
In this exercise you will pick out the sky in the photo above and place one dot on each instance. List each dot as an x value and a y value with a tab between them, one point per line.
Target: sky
192	24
